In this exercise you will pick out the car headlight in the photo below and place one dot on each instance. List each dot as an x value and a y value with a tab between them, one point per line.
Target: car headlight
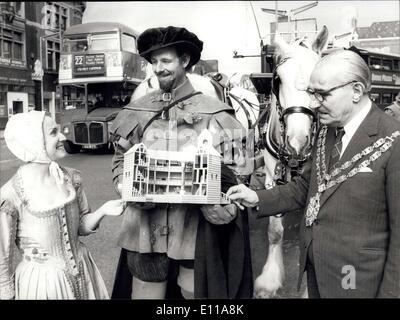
66	130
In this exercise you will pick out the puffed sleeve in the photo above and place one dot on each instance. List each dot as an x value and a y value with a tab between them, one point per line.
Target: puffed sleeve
8	225
80	193
230	140
125	133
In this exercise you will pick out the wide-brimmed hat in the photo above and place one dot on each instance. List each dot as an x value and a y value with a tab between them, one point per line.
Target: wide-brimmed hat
157	38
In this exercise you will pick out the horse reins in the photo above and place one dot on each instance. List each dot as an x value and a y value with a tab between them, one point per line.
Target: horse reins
281	154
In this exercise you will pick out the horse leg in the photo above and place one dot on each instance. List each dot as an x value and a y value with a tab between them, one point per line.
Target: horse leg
272	275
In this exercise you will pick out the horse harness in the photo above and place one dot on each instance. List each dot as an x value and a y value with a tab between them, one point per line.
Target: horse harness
284	158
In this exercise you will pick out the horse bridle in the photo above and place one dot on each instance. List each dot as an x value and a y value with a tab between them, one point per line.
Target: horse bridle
282	152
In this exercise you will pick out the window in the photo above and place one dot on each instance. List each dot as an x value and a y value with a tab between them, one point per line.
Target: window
53	55
387	64
375	98
386	98
396	64
56	16
73	97
6	49
104	42
3	103
17	51
11	44
75	45
128	43
375	63
14	8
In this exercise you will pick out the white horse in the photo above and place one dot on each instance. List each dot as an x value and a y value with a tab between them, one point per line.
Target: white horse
288	139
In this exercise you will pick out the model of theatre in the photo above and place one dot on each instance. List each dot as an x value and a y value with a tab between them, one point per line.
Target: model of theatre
174	176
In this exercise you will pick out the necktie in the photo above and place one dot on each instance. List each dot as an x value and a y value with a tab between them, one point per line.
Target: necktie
337	148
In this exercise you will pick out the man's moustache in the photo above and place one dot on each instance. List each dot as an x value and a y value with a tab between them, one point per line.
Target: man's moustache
163	74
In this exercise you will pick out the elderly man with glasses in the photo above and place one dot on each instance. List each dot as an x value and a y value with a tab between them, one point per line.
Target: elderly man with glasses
350	231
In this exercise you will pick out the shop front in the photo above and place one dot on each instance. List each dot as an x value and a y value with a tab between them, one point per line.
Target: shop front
17	93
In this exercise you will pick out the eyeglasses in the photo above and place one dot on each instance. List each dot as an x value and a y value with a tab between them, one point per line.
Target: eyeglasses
321	95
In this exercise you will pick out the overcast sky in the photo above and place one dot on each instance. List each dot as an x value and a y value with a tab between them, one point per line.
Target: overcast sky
226	26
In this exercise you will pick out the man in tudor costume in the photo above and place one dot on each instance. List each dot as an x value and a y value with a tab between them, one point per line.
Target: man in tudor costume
203	249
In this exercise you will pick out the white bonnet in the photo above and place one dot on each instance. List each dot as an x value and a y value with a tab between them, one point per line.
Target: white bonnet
24	136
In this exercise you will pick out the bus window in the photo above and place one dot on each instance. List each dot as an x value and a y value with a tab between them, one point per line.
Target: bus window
110	95
128	43
104	42
386	98
387	64
396	64
75	45
375	98
73	97
375	63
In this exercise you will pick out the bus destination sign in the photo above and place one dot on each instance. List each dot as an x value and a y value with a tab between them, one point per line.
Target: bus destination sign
89	64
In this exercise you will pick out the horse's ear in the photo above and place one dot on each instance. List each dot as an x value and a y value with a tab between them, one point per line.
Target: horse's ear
321	40
280	44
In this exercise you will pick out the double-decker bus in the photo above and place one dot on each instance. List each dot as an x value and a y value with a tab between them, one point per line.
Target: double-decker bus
385	72
385	75
99	69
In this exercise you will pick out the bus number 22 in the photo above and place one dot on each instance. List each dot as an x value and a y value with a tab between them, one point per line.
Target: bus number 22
78	60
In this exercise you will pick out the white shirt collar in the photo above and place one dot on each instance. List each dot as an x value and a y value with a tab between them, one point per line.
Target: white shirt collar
351	127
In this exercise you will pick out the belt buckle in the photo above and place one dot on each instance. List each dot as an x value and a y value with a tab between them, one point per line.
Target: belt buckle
165	115
167	96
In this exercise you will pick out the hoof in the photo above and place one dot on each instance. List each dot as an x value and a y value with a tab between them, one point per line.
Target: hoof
266	286
270	280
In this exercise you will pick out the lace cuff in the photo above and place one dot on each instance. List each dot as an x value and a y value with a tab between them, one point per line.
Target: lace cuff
8	216
7	290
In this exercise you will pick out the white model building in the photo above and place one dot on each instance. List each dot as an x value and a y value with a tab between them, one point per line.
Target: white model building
174	176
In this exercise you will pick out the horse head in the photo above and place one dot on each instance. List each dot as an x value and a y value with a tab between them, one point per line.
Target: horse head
294	63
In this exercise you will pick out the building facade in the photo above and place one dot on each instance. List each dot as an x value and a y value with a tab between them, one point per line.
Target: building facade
381	37
30	43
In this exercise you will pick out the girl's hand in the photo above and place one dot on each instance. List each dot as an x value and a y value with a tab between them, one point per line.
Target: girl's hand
113	207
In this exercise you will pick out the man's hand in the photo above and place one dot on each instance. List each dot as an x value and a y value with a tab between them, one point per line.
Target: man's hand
241	195
217	214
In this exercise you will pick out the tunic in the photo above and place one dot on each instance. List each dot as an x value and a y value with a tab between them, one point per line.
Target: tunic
171	228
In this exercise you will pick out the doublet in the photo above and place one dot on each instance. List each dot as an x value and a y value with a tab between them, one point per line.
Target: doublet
170	228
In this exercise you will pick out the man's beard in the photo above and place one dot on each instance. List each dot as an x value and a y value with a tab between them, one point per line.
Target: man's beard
165	84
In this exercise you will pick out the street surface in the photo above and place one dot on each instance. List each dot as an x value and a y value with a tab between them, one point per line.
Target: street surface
96	173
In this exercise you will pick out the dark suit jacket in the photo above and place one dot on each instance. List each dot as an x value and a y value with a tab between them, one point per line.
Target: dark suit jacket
358	225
